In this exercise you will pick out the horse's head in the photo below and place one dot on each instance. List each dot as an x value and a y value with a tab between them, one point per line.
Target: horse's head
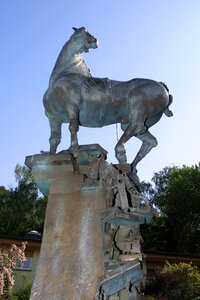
84	40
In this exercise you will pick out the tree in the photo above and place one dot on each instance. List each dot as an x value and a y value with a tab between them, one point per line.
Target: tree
23	174
177	196
22	209
157	235
175	282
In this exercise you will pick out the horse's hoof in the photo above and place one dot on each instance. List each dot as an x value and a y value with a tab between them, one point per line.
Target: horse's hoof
73	148
44	152
121	157
120	154
133	169
52	152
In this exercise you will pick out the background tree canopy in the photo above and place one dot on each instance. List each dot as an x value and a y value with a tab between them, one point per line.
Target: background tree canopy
22	209
176	194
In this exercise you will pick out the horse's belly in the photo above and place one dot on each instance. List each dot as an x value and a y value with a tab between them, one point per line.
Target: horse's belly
99	115
94	118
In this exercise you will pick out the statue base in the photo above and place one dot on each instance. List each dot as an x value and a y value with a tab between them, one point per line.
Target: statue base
91	240
71	256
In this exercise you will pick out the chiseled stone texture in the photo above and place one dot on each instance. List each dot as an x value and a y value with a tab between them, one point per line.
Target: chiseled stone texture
71	257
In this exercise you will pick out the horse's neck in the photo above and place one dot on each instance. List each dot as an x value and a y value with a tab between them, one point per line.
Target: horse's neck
69	61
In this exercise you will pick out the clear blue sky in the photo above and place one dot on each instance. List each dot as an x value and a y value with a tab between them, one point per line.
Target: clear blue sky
138	38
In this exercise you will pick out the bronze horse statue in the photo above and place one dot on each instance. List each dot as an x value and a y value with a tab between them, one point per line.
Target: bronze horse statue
74	97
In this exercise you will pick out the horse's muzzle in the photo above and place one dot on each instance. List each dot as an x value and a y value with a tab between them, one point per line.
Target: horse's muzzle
95	44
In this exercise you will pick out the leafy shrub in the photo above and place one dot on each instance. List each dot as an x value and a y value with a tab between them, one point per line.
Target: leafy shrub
23	293
147	298
175	282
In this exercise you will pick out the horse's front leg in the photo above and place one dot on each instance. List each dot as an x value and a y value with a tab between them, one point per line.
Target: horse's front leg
55	136
73	115
73	128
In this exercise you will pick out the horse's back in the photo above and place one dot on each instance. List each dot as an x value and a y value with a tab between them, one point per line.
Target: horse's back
101	101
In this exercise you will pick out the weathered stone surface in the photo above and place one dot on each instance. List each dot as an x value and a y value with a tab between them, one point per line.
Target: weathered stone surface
91	242
71	258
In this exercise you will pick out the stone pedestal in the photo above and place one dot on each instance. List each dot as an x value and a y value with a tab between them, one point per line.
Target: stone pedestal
71	258
91	241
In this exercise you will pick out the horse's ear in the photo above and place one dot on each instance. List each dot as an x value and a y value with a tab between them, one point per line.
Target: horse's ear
75	29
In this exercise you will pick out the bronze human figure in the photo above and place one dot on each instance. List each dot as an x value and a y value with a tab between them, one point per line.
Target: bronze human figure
74	97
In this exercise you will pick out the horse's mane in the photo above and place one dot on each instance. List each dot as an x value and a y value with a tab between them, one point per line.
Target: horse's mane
69	61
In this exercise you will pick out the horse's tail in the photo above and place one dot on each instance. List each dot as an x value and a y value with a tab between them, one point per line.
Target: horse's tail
170	99
165	86
167	111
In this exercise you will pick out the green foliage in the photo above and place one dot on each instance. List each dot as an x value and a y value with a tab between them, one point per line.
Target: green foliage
23	174
147	297
175	282
23	293
21	208
157	235
147	190
176	193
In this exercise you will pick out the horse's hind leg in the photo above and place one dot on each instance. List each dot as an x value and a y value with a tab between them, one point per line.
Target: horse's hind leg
148	142
55	136
133	129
